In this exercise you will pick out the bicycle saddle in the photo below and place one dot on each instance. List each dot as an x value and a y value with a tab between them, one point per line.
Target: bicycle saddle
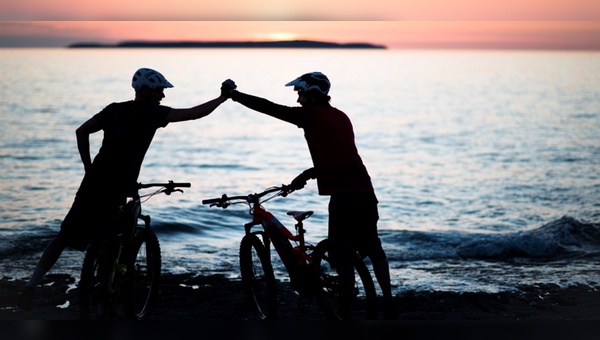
300	215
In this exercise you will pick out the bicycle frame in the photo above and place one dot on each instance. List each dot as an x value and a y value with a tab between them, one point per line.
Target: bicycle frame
273	231
280	236
113	270
130	224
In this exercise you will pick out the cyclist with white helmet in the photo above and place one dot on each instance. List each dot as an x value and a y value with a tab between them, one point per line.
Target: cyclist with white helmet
129	128
337	167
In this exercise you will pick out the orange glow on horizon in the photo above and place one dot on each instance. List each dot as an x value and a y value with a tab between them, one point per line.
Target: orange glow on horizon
393	23
278	36
393	34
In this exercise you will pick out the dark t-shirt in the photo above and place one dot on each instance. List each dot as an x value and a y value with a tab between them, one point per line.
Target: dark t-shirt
128	131
129	128
330	138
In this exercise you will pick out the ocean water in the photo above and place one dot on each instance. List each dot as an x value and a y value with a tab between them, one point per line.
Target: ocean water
486	163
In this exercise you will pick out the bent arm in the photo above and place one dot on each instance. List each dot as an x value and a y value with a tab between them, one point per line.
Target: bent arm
196	112
83	140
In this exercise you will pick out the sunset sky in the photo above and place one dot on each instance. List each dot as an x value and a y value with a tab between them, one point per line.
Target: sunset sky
556	24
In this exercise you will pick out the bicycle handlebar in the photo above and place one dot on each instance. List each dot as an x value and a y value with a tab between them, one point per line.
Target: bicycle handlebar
224	201
168	187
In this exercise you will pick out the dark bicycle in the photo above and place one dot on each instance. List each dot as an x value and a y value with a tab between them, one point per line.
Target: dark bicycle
311	272
120	275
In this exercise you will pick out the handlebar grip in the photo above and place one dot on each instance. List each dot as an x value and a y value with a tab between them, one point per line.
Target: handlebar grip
171	184
220	201
211	201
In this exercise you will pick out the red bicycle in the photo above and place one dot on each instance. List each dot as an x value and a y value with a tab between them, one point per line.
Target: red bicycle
310	270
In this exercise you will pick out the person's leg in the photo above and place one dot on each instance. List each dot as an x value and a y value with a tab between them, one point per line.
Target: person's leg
340	260
381	269
371	246
47	261
69	232
49	257
340	256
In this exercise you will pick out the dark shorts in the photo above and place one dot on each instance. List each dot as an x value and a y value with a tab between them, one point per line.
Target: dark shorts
89	217
353	220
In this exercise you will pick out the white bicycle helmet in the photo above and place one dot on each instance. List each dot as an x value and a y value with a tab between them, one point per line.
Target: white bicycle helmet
311	81
149	77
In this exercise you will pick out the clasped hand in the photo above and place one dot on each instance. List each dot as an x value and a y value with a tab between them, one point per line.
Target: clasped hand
227	87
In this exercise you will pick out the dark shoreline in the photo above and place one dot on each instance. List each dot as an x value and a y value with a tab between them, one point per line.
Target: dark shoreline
188	297
228	44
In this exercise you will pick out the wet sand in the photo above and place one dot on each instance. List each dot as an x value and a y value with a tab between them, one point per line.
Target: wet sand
187	297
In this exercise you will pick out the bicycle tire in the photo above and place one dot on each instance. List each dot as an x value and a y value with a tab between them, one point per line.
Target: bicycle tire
364	304
258	279
95	301
143	275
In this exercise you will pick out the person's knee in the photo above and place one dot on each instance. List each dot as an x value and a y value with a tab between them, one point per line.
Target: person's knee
376	251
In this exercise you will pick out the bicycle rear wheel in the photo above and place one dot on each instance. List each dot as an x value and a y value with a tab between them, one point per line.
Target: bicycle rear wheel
258	278
96	301
364	298
143	275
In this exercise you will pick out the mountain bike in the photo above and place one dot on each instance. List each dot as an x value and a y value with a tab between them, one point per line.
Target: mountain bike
311	272
120	275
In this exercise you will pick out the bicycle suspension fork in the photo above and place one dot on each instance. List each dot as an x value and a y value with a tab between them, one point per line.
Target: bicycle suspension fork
125	255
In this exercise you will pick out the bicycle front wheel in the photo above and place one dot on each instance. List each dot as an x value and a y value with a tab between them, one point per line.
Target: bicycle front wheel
97	298
143	275
363	304
258	278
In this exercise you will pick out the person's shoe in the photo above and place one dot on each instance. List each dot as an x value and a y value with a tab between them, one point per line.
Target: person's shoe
26	298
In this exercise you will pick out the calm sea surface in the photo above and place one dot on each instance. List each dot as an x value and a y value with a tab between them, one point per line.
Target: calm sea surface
486	163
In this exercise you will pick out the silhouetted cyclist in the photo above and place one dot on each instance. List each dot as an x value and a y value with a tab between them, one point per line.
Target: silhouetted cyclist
129	128
338	169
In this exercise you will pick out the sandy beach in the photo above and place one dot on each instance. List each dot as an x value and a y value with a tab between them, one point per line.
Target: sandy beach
188	297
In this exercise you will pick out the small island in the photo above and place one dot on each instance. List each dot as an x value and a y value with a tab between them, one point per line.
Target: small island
228	44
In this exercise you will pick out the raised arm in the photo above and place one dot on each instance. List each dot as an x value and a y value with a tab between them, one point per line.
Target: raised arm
202	110
196	112
83	140
294	115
